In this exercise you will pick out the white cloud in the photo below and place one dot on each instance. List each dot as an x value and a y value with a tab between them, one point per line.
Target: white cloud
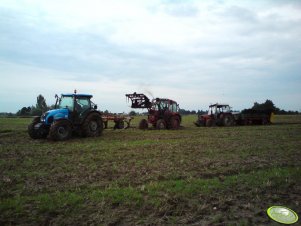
195	52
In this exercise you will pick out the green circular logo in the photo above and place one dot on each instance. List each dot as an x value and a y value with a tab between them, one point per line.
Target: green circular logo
282	214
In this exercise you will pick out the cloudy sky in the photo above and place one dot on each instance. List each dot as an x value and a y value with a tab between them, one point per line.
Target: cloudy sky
195	52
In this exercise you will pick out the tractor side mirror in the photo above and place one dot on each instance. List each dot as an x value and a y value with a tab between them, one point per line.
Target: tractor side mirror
95	107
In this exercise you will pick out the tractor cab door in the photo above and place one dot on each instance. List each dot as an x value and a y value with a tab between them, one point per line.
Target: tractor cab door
212	112
82	106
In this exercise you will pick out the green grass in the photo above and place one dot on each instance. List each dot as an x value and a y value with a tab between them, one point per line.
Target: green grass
190	176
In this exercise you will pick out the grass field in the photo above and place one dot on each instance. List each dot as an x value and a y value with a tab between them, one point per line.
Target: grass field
200	176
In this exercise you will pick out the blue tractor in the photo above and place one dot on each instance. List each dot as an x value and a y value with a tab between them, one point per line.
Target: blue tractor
72	113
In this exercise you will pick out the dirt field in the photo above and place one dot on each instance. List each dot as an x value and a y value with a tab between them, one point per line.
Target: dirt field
194	176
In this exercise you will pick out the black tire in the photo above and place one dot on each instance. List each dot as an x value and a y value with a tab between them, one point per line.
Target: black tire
93	125
33	133
60	130
228	120
143	124
209	122
174	123
160	124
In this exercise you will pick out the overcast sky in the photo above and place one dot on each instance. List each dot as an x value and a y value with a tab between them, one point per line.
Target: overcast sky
195	52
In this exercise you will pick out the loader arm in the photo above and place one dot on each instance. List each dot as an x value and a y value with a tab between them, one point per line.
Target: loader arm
139	100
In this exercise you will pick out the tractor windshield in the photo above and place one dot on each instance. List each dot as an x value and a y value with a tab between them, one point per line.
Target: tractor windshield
165	104
217	109
159	105
212	110
66	102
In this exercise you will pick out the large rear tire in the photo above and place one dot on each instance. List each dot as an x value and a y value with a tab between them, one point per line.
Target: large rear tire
143	124
60	130
228	120
93	125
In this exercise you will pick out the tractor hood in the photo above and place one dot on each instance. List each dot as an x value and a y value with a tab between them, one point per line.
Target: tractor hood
55	114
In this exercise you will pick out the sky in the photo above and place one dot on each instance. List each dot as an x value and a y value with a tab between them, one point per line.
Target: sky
194	52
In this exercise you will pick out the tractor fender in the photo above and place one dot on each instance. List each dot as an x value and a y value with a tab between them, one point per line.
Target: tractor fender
63	119
92	111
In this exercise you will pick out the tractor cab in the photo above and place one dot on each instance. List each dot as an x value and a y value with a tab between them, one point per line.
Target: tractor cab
76	103
216	109
165	105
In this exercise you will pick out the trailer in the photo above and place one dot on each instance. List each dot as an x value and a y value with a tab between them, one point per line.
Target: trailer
254	117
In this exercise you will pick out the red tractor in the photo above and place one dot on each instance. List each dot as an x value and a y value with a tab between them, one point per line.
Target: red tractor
218	114
162	113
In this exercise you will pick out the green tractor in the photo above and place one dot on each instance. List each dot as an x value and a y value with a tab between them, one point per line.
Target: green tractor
72	113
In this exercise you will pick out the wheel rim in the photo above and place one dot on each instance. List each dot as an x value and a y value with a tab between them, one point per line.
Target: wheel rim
227	120
93	126
161	125
62	131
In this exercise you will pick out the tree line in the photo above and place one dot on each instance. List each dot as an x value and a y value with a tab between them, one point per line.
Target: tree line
41	106
268	105
38	109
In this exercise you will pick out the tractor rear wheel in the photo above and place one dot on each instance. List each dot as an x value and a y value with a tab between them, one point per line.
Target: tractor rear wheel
160	124
36	133
93	125
60	130
228	120
143	124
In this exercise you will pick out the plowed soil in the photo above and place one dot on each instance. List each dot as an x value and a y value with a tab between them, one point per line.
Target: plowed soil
191	176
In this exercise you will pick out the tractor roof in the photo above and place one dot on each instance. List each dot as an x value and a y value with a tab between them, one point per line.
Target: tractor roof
165	99
218	105
77	95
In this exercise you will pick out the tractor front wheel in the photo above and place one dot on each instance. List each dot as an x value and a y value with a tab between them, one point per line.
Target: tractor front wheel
174	123
36	133
209	122
143	124
160	124
93	126
60	130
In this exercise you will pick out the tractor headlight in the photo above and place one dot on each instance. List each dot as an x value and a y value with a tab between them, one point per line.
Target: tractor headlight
43	117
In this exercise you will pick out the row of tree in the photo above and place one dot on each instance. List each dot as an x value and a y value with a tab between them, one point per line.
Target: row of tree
268	105
38	109
41	107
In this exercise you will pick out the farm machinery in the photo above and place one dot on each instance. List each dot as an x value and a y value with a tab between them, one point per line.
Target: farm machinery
72	113
120	121
162	113
222	115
